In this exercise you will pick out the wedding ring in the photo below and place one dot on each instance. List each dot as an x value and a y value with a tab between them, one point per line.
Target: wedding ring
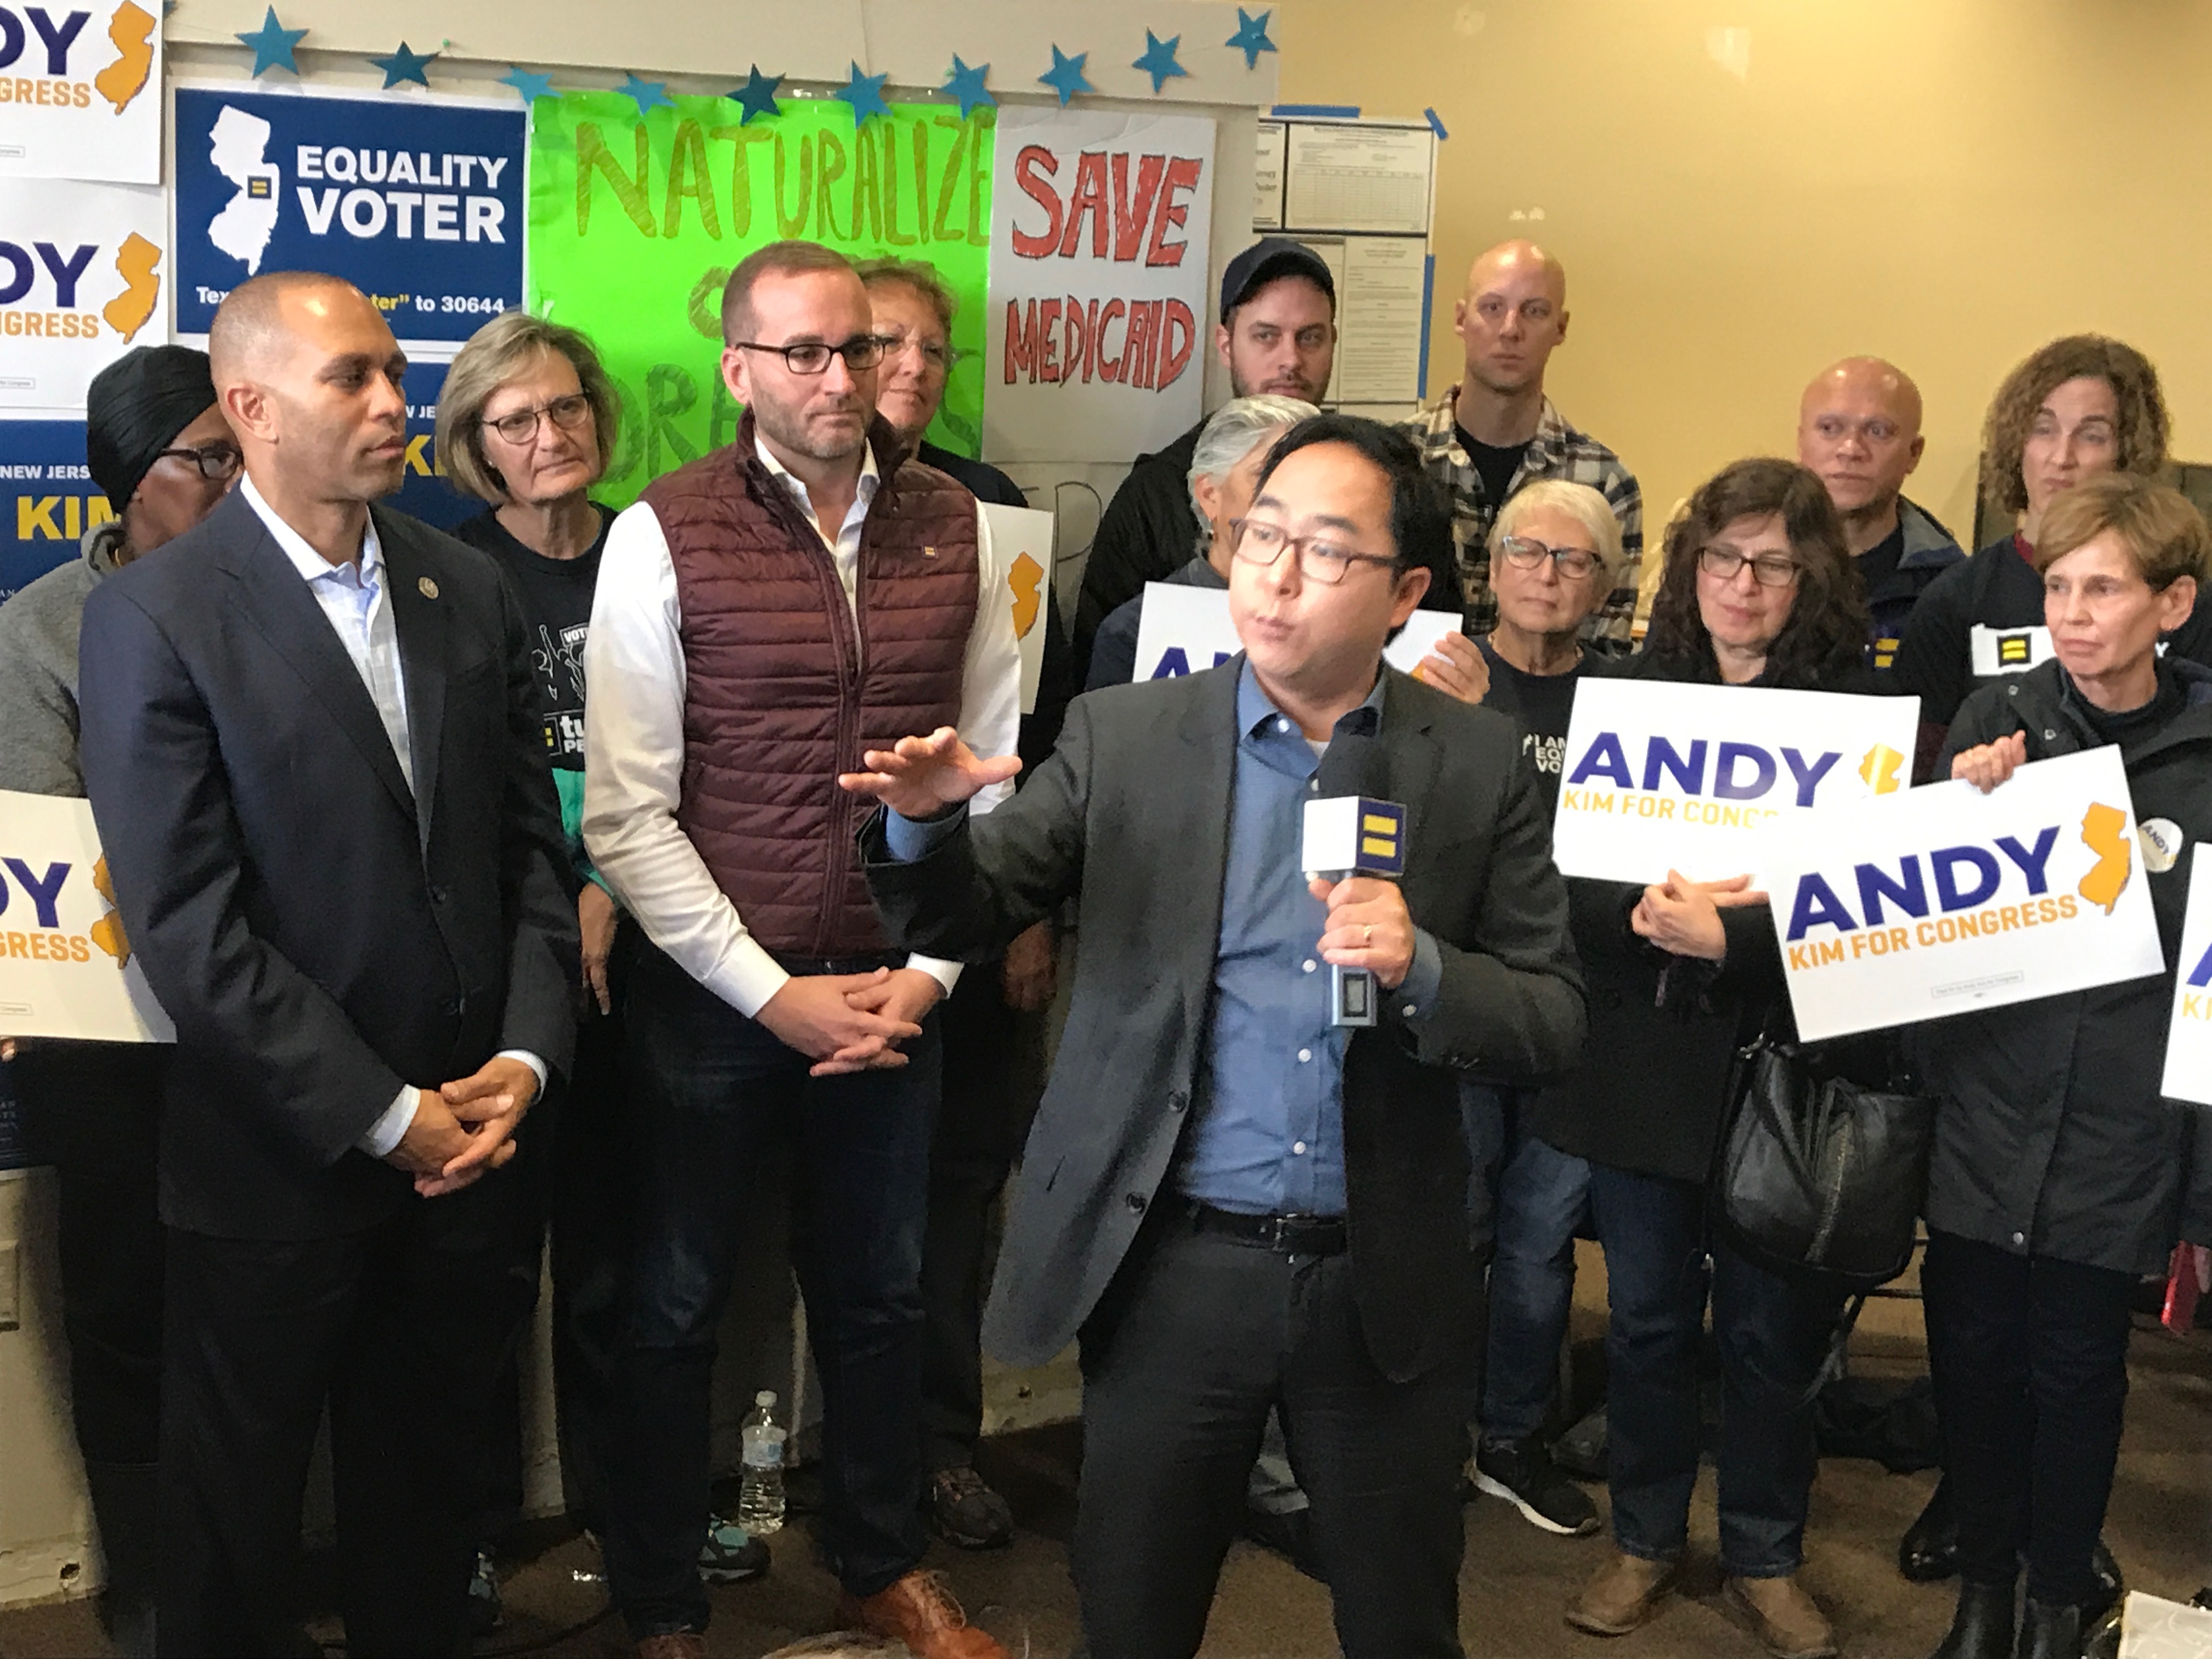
1368	936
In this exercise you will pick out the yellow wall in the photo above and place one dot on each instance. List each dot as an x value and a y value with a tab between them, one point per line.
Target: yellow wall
1946	183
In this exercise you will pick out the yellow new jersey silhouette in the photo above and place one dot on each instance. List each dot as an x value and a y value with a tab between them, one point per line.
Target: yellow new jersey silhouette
1880	769
135	262
107	932
2105	832
131	32
1026	579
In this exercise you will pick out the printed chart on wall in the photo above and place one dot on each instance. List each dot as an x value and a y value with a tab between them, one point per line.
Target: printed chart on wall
1360	193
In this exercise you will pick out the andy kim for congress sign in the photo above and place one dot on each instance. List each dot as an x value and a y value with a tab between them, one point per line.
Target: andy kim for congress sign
1663	777
1945	899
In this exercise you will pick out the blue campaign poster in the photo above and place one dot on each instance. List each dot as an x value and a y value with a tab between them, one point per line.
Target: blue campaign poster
51	500
419	202
423	490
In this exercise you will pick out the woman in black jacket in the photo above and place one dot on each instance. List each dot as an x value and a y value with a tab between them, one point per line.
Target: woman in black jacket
2060	1174
1759	590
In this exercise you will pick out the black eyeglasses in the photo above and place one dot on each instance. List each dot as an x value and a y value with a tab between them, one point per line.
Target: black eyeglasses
813	357
1319	559
1526	553
1767	569
217	463
567	413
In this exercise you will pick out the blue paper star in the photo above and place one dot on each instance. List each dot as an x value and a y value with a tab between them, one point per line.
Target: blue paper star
1159	59
532	86
967	85
1065	76
272	45
1251	36
649	95
405	65
864	92
757	96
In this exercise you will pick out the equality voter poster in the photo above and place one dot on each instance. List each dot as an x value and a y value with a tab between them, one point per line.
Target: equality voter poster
2189	1033
1100	319
636	223
80	92
1944	899
1660	776
49	502
416	201
66	966
1184	631
82	268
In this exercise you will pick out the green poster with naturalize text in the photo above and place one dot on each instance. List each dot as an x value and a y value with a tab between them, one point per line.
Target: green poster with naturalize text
636	223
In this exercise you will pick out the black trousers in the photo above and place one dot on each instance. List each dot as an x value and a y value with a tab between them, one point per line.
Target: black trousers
993	1058
399	1329
2030	1360
94	1109
1196	1339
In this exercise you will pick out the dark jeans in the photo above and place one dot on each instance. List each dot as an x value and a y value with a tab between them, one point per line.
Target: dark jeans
710	1090
991	1056
1542	1196
2030	1357
1773	1335
1197	1336
394	1328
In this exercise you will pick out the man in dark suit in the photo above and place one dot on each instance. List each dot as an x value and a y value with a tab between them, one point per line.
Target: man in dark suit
312	742
1234	1203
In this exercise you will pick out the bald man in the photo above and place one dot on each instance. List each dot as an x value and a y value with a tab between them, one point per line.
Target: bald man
1858	427
312	743
1496	430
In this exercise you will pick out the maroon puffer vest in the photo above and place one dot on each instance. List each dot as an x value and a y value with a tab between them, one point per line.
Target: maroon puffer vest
782	693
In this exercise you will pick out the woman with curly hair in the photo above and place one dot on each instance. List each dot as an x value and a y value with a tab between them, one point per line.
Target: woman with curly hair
2077	407
1759	590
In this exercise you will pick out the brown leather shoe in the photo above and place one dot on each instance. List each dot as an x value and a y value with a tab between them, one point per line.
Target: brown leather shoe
920	1611
1787	1621
673	1645
1622	1595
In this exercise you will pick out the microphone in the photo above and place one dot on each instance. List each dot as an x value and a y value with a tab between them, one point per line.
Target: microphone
1351	831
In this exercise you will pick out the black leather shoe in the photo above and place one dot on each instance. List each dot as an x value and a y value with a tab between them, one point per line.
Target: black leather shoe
2050	1633
1929	1551
1982	1628
2111	1587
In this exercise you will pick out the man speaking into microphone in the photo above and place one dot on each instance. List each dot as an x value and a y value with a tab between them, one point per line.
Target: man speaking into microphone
1237	1201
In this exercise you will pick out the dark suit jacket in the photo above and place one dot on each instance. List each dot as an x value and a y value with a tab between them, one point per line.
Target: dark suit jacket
319	935
1132	814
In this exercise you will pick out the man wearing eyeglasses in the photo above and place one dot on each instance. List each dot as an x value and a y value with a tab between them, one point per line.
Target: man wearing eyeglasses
763	616
1234	1202
161	452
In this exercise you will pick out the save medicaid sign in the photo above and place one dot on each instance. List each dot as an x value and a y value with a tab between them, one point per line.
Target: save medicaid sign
415	201
80	92
1944	899
66	966
1661	776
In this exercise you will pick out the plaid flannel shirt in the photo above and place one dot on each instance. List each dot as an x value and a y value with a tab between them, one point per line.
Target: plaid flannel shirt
1558	451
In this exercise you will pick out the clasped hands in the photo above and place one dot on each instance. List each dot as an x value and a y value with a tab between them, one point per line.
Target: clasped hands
465	1127
1683	917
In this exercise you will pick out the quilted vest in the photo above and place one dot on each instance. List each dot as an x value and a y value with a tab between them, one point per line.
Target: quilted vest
783	690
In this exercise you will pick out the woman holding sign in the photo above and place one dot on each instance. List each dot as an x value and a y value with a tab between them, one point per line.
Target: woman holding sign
2061	1175
1759	591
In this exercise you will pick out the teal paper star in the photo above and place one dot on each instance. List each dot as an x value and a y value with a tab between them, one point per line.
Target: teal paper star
1251	36
864	92
532	86
405	65
649	95
1159	59
1065	76
757	96
966	84
272	45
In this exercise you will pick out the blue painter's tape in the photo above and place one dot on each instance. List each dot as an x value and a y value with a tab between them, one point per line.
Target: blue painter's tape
1428	309
1435	124
1335	112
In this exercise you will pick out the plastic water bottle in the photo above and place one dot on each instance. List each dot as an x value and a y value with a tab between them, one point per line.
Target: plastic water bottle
760	1488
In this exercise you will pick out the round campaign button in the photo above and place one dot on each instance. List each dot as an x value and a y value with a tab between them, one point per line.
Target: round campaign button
2162	842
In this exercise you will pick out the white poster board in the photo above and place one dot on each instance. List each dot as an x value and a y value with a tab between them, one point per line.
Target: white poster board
1021	542
1661	776
1944	899
2189	1033
1099	314
66	969
83	92
82	267
1185	630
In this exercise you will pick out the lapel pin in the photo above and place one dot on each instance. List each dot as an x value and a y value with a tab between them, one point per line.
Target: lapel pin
429	589
929	552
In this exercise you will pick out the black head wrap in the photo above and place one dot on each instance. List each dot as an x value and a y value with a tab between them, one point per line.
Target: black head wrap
135	408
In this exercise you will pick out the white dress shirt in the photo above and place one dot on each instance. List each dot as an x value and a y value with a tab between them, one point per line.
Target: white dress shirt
354	601
634	737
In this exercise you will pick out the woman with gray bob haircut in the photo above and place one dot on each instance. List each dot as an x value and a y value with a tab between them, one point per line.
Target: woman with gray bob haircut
1225	469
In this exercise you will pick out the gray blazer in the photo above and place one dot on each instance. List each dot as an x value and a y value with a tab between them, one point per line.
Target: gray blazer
1131	816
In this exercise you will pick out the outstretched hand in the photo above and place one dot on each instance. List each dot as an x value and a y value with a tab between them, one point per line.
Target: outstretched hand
919	777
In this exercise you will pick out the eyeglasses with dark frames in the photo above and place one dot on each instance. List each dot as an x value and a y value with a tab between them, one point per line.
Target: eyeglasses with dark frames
567	413
862	352
1767	569
217	463
1320	560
